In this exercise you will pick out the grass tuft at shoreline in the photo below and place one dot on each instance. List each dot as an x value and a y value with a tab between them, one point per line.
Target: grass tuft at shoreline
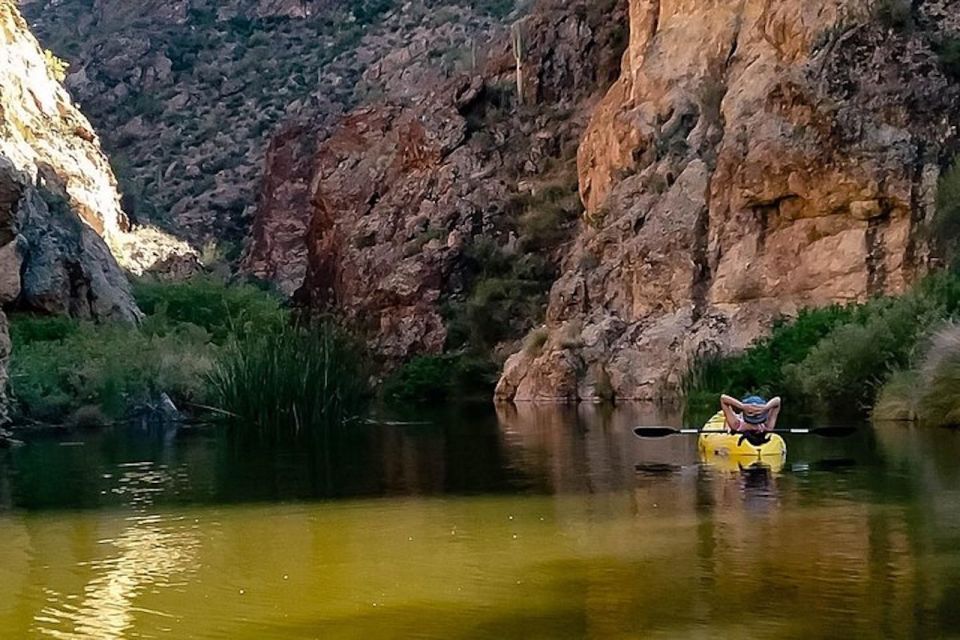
292	380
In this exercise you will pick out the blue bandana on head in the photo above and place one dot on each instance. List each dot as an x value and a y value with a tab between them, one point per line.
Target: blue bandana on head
760	419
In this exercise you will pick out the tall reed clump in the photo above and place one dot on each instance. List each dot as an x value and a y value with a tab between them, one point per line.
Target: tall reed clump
940	379
291	380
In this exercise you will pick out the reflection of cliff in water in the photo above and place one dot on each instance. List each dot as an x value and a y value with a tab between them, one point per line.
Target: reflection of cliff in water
458	450
581	448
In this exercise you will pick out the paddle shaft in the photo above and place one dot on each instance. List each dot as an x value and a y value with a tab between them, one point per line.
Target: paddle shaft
663	432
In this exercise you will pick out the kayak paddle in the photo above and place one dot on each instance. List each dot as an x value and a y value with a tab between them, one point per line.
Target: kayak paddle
663	432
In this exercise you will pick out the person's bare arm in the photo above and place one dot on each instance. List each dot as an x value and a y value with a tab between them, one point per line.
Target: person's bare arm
729	406
773	410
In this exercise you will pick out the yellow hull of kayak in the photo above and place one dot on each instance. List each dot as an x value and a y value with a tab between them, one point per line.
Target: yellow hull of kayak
731	445
738	464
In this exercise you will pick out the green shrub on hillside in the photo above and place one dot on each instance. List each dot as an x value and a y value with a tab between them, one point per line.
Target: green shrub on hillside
368	11
946	224
219	308
894	14
948	50
507	298
498	9
202	16
61	366
546	222
144	104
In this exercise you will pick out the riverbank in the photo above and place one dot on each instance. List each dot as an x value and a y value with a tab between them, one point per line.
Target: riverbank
886	358
203	347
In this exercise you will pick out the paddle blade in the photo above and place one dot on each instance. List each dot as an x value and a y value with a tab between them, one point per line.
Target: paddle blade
655	432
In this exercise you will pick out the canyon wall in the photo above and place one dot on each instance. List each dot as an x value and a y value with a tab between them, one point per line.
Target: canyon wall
754	157
380	217
59	207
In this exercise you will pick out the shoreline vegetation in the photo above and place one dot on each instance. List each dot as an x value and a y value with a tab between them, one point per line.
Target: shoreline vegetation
206	348
894	358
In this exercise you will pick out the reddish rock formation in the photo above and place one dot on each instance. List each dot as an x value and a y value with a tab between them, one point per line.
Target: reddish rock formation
277	251
392	195
788	159
400	188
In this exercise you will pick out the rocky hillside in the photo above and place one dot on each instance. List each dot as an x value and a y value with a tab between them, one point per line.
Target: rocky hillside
58	198
187	93
789	159
435	220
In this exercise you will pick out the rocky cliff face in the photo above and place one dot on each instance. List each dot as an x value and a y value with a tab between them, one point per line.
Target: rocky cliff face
390	216
788	159
59	206
60	197
188	93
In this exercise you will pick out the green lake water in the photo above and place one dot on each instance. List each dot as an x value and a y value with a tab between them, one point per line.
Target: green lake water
522	523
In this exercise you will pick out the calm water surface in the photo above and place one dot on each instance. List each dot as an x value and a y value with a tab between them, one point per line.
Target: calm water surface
529	523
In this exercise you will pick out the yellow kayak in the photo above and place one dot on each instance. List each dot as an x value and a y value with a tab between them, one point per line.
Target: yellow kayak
727	444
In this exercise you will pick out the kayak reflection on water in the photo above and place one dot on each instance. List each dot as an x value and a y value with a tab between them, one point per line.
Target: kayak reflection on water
752	482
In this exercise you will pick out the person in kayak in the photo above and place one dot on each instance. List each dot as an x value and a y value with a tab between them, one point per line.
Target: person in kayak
753	414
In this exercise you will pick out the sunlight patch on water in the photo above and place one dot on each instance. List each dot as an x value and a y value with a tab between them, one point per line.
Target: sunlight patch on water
148	553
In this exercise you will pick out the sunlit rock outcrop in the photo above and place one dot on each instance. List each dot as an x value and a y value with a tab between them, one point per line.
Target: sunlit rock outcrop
57	196
60	212
754	158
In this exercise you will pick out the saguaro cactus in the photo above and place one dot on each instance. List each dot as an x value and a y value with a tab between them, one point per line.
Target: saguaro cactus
519	54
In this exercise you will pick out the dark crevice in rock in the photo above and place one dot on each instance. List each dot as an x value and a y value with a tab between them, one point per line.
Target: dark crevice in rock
876	255
763	217
917	211
702	273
